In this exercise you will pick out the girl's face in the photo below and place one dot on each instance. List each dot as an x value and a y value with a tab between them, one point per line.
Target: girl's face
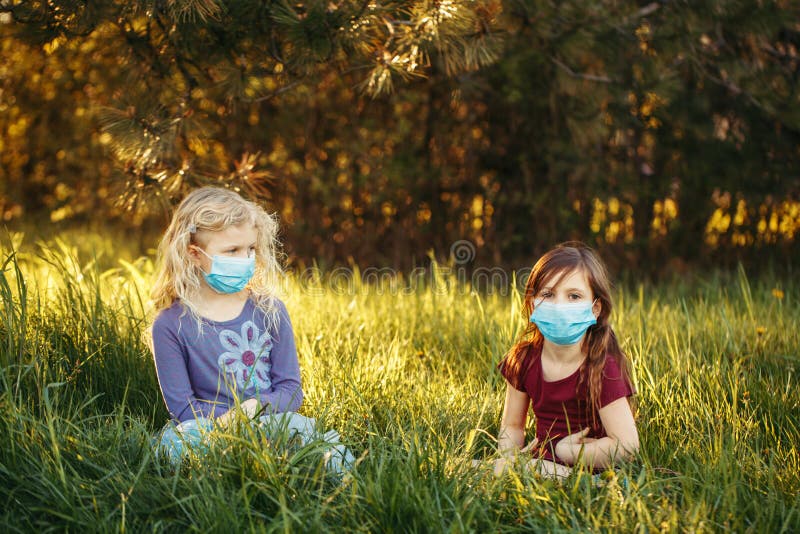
573	287
237	241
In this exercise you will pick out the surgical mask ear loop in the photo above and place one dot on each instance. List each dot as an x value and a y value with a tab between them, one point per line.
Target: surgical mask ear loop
204	252
207	256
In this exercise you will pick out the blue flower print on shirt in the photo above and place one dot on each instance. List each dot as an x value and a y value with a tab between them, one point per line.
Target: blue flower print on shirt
247	356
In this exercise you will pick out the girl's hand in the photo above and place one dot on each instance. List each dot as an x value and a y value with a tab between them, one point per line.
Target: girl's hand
250	407
568	448
500	466
530	446
503	462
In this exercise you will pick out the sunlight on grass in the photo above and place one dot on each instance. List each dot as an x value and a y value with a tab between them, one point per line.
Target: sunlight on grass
409	380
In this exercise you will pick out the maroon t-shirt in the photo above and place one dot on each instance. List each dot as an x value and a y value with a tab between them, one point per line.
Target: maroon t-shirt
562	407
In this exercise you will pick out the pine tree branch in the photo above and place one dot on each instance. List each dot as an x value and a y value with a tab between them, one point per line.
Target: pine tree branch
360	12
191	81
649	9
273	94
138	44
582	76
736	90
51	22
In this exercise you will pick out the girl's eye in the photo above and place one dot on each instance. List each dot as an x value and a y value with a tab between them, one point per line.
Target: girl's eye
574	296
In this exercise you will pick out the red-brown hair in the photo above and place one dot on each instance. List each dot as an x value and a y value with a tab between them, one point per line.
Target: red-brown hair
600	340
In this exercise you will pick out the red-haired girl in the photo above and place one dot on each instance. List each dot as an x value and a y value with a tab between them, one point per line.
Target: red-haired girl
569	369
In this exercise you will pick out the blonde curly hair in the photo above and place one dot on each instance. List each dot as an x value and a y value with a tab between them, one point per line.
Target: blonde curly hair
212	209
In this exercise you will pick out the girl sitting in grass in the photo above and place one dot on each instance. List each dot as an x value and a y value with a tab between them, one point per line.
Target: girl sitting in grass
222	341
569	368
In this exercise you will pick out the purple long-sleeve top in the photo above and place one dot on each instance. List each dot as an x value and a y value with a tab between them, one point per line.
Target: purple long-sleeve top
204	373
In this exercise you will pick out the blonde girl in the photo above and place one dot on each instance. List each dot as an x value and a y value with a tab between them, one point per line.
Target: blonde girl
568	368
222	340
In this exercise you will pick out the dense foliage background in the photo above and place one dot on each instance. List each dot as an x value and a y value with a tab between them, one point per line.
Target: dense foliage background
380	130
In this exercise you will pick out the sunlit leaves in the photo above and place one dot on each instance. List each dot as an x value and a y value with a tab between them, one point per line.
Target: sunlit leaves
743	224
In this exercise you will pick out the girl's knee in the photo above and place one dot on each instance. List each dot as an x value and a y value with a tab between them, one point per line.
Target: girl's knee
174	438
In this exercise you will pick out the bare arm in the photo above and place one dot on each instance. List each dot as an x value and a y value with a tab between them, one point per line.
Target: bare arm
512	427
621	442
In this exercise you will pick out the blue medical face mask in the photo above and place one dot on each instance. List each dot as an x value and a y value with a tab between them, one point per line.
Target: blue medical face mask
563	324
229	274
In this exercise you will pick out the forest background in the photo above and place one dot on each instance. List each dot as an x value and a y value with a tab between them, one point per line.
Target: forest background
666	134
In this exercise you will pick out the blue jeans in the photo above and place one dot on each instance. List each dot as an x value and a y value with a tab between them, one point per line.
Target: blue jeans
175	441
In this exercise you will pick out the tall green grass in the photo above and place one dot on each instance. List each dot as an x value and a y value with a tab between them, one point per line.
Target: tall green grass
409	381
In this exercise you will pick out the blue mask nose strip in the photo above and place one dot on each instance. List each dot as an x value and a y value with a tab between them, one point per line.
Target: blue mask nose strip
229	274
563	324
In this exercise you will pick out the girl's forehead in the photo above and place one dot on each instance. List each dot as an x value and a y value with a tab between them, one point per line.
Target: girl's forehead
243	234
572	278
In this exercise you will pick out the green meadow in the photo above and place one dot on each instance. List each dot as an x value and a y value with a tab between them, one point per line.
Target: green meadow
406	373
